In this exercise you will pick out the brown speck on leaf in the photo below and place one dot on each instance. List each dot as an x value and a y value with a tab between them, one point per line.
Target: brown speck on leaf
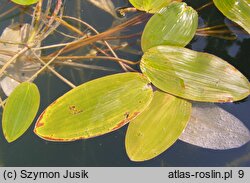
57	139
229	99
54	139
73	110
126	115
72	107
183	85
39	124
221	101
126	120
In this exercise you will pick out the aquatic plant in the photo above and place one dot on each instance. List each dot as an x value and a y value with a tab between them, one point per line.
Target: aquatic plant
156	102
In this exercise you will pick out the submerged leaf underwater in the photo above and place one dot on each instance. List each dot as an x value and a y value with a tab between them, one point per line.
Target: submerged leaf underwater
206	149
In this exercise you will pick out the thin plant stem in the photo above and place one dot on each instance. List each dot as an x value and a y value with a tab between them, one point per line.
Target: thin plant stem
10	61
83	42
80	65
212	27
124	11
51	46
1	103
123	37
65	35
55	72
95	57
45	66
8	11
231	38
106	43
204	6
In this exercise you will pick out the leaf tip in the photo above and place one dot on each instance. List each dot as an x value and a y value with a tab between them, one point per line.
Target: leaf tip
135	158
9	139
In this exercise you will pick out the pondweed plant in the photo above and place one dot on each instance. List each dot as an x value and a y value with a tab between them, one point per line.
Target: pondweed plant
157	102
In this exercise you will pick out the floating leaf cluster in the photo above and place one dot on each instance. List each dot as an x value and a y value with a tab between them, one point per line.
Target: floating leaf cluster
156	103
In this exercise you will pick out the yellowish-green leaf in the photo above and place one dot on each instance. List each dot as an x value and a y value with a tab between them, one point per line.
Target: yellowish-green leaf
174	25
158	127
20	110
194	75
150	6
236	10
95	108
25	2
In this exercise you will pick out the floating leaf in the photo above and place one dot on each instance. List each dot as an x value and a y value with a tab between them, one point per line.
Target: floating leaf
174	25
25	2
194	75
95	108
105	5
150	6
12	41
158	127
8	85
20	110
214	128
236	10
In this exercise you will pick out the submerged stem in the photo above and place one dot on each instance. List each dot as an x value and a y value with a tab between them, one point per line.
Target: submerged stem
204	6
9	62
94	57
55	72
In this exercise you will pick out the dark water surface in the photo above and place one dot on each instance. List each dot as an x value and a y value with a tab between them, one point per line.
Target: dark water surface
109	150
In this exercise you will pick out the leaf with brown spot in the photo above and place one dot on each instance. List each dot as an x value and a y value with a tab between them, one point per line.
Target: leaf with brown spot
99	108
194	75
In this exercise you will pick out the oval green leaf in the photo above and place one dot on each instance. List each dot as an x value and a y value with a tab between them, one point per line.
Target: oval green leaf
20	110
95	108
194	75
174	25
25	2
236	10
158	127
150	6
214	128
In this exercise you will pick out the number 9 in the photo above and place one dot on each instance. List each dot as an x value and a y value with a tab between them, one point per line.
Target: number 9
241	173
